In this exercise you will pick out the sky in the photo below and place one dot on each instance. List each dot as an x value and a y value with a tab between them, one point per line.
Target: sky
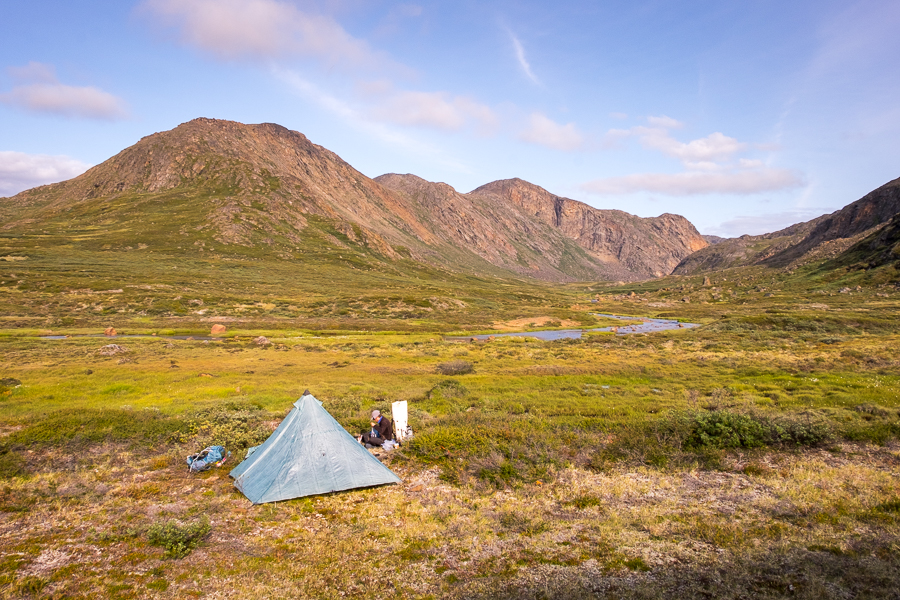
744	117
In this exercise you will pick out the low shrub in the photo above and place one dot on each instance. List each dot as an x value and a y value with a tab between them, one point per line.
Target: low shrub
447	389
234	425
88	426
724	429
584	501
178	539
804	429
455	367
11	464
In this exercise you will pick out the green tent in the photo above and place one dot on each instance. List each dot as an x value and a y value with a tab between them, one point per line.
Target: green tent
310	453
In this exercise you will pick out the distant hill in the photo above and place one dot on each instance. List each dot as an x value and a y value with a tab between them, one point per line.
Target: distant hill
826	237
212	187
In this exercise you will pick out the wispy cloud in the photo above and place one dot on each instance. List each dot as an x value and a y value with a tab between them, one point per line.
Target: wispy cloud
691	183
544	131
20	171
710	163
521	58
262	29
39	91
439	110
664	122
360	120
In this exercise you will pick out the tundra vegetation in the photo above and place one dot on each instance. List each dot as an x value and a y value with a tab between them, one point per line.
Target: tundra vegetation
755	456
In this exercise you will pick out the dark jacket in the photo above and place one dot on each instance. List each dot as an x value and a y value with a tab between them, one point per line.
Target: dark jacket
385	428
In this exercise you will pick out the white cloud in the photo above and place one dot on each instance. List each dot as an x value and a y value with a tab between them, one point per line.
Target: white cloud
41	92
732	181
546	132
523	61
715	146
20	171
261	29
433	109
710	165
665	122
361	121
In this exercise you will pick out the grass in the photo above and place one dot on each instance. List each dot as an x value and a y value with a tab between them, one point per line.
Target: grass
754	455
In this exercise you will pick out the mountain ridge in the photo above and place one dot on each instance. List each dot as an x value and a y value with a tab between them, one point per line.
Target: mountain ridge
826	236
222	186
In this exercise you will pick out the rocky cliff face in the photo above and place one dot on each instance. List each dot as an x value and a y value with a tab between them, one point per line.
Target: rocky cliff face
223	184
648	247
823	237
501	233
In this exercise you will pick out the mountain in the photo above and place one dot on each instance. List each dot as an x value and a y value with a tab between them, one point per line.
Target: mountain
501	234
827	236
880	248
650	247
220	188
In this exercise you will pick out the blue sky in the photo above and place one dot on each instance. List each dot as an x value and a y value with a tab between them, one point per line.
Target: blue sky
744	117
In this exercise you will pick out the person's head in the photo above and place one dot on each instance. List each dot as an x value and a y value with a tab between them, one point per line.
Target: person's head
376	414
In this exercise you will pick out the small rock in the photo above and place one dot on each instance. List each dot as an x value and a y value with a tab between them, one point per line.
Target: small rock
845	290
262	341
217	329
109	332
205	375
706	281
111	350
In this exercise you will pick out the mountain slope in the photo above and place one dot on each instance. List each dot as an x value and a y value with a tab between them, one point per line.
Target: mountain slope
498	232
823	237
223	188
648	247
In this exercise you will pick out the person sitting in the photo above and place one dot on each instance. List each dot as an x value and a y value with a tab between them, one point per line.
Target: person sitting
382	430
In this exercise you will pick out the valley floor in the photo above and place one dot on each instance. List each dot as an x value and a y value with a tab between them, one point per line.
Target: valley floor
756	456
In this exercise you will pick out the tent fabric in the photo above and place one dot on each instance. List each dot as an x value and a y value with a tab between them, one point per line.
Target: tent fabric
308	454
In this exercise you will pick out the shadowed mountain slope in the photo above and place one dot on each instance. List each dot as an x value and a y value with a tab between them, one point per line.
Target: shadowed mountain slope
824	237
224	188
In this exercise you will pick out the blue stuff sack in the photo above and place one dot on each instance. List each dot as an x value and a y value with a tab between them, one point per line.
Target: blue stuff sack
206	458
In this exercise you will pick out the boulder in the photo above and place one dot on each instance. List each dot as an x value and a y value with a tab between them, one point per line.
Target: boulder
109	332
217	329
261	341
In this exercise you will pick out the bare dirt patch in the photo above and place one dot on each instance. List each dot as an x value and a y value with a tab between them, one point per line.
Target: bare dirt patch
527	322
